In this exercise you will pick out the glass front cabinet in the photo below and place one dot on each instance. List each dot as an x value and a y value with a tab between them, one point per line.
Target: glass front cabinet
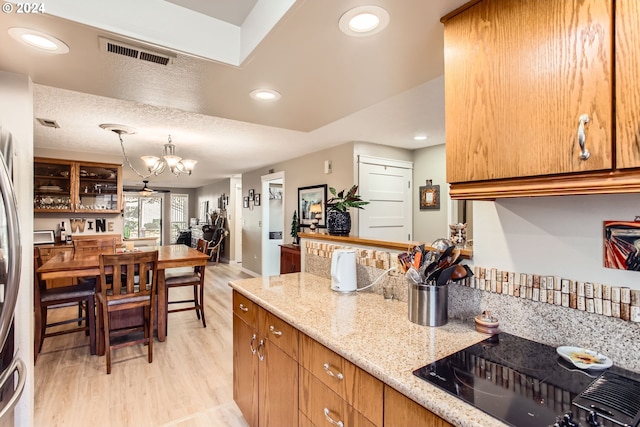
69	186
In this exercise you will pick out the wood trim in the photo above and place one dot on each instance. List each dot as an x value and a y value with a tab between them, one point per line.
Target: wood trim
398	246
609	182
458	10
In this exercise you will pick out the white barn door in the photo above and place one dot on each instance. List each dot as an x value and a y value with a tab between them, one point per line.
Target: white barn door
387	185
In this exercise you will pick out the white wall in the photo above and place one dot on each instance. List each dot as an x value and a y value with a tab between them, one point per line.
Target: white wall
430	163
560	236
16	116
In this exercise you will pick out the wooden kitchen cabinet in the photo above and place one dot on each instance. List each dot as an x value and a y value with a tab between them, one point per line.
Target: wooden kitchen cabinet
289	259
519	74
328	380
74	187
400	411
265	366
627	40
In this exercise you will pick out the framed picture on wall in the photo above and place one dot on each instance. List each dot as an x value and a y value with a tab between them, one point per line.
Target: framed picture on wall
245	202
251	193
622	245
312	201
430	197
256	199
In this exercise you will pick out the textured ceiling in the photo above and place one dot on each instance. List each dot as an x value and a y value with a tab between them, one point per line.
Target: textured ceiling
381	89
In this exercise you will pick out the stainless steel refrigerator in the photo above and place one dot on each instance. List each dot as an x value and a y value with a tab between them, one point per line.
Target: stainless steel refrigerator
12	368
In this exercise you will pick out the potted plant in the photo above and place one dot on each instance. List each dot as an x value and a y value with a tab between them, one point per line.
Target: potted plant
295	225
338	216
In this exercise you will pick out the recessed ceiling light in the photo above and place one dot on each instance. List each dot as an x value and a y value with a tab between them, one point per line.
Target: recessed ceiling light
38	39
420	137
265	94
364	21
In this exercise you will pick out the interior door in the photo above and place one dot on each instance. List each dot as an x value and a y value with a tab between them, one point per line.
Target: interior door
386	184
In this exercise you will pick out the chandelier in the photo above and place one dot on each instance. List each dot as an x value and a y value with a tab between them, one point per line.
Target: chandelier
176	164
155	165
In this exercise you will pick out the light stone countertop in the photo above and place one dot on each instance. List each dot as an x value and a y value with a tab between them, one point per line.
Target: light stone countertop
373	333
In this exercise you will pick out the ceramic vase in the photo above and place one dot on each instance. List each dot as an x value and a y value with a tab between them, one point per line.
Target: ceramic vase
338	223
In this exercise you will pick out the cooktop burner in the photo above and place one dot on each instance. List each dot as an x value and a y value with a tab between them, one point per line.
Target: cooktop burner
520	382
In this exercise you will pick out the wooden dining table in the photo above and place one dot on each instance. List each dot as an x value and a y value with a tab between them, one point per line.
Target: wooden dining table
68	264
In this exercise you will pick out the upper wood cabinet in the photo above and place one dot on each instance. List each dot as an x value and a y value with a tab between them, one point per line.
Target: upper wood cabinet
68	186
519	76
627	84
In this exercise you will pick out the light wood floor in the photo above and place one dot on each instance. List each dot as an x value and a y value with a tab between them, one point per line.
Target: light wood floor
189	382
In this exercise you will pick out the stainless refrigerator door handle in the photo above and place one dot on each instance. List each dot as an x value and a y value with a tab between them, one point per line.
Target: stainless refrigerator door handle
17	365
15	252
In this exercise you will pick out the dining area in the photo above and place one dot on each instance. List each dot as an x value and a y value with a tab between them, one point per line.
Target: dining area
117	295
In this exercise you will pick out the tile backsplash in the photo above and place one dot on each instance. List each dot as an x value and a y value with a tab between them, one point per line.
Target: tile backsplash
548	309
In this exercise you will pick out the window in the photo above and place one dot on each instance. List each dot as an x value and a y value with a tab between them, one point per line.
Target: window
179	214
143	216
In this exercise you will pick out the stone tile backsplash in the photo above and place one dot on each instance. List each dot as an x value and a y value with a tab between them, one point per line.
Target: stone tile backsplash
548	309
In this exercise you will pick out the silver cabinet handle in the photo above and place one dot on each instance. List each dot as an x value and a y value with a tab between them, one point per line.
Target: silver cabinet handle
243	308
253	338
260	355
329	372
327	414
582	137
274	331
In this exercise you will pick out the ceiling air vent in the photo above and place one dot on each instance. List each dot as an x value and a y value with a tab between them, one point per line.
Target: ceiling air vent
138	52
48	123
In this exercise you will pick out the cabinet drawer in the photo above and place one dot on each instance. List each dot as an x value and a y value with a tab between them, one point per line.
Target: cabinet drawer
355	386
246	309
325	408
279	333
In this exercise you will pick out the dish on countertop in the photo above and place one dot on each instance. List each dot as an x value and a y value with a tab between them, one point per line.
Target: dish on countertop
584	358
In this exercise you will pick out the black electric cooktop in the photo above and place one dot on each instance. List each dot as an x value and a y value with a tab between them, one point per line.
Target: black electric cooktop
520	382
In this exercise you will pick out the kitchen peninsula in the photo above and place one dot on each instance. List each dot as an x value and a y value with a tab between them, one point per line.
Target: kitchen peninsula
366	330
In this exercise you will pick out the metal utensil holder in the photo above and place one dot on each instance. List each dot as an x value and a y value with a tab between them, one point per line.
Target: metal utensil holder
428	304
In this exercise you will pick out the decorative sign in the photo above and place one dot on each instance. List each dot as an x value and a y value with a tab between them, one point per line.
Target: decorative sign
622	244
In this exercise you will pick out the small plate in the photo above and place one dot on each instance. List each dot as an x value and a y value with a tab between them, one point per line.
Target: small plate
584	358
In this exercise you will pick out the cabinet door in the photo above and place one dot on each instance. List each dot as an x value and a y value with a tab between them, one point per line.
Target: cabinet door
518	75
245	370
627	84
52	185
99	188
278	381
400	411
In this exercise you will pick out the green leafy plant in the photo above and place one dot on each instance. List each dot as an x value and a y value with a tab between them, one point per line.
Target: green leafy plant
340	201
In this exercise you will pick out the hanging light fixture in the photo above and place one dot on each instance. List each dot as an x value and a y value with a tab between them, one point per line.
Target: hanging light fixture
155	165
176	164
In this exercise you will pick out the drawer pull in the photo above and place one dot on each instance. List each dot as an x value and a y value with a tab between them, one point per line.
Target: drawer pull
327	415
274	332
253	338
243	308
260	355
582	137
329	372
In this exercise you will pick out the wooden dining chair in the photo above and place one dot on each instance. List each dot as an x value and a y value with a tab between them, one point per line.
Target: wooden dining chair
98	245
192	277
131	286
44	299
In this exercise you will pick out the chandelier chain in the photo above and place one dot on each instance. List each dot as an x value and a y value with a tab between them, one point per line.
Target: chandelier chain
128	161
